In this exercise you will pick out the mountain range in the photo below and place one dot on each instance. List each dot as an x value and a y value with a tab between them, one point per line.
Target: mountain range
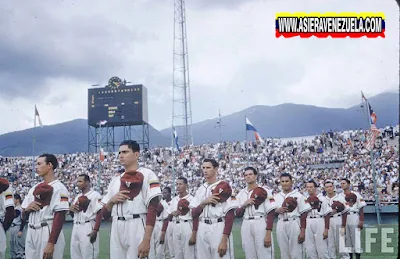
280	121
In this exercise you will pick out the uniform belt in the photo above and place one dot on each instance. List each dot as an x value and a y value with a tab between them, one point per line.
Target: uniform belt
38	225
254	217
212	221
179	221
161	219
336	215
133	216
314	217
352	212
82	222
290	219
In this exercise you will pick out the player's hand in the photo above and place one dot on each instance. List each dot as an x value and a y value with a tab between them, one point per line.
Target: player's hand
342	231
249	202
302	236
361	225
143	249
281	210
223	246
19	234
213	199
93	236
33	206
74	208
267	240
334	211
162	238
176	213
48	251
120	197
325	234
192	240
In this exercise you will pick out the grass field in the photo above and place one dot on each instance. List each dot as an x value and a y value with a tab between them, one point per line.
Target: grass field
375	248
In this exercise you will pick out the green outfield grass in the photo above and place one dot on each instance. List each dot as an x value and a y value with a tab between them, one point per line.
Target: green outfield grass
375	248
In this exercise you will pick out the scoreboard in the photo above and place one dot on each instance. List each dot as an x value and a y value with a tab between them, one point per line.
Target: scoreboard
118	104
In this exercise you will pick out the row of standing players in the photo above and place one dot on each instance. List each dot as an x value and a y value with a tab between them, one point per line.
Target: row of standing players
186	226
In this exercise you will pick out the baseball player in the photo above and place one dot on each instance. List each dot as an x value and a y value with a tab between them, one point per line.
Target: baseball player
17	239
338	221
86	213
355	218
6	213
317	224
292	215
214	207
181	222
257	207
131	200
158	239
45	206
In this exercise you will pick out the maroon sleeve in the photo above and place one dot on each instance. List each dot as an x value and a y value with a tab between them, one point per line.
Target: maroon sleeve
170	217
9	217
229	222
303	220
160	209
152	212
195	224
165	225
58	221
106	214
239	212
344	219
197	211
270	219
361	213
327	220
99	217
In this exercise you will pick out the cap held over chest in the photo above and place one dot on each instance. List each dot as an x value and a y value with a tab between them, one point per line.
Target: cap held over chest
83	203
259	195
290	203
223	190
314	202
183	206
132	182
4	184
43	193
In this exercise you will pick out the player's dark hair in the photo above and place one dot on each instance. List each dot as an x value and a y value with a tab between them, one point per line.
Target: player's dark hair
213	162
17	197
345	179
168	189
328	181
85	176
183	179
251	169
50	159
313	182
286	175
133	145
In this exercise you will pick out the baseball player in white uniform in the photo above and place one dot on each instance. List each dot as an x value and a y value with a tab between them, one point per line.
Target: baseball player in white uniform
17	237
355	219
337	224
291	226
317	224
6	213
183	227
84	241
158	240
133	217
45	205
214	239
258	220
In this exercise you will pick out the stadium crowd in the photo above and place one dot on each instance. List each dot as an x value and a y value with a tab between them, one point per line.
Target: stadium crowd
331	155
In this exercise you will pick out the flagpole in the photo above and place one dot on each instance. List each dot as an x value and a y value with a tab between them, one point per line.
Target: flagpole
33	143
173	162
99	174
371	154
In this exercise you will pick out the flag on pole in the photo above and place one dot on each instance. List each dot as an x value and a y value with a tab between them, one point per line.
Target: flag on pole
249	126
374	131
38	116
176	140
101	123
101	154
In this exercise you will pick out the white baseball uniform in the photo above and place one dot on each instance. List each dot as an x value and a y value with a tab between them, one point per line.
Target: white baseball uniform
41	222
161	250
6	200
254	226
129	218
334	237
182	228
288	226
83	225
316	246
212	223
353	233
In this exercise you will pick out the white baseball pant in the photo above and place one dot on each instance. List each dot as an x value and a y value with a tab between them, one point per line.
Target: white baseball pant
169	240
253	233
126	236
335	239
316	246
209	237
353	234
160	249
81	248
287	234
36	242
3	243
181	236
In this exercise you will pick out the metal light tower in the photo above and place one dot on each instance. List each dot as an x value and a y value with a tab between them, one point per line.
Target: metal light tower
181	107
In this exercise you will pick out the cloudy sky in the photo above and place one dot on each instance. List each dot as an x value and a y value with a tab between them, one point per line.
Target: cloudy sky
52	52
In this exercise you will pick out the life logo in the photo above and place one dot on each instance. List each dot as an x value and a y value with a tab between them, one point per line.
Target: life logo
334	25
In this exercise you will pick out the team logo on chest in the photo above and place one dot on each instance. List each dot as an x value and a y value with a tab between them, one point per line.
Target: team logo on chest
38	197
128	184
